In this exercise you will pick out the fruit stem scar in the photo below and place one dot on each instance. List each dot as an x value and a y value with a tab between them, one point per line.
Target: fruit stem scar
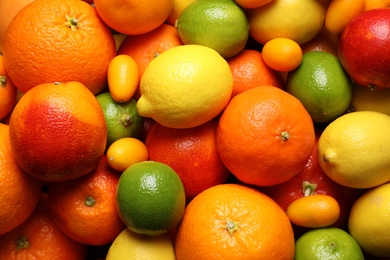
231	226
126	120
22	243
71	22
308	188
285	136
89	201
3	80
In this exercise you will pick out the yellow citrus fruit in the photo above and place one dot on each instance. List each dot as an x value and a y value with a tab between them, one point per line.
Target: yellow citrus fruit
369	221
282	54
353	151
124	152
130	245
370	99
298	20
122	77
185	86
341	12
177	9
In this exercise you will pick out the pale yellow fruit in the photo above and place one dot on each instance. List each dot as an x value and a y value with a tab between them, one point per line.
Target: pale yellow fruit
178	8
353	150
129	246
298	20
185	86
369	221
364	99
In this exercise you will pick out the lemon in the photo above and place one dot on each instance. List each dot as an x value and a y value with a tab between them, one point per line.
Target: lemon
185	86
322	86
129	245
218	24
327	243
298	20
150	198
364	99
353	149
369	221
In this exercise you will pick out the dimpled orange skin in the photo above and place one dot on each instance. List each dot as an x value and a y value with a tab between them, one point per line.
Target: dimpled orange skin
58	132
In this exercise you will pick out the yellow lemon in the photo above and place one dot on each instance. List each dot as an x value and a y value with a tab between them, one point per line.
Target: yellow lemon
185	86
369	221
353	149
298	20
129	245
371	99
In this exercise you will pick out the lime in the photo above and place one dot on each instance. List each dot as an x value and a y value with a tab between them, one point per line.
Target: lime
185	86
122	119
218	24
130	245
150	198
322	86
327	243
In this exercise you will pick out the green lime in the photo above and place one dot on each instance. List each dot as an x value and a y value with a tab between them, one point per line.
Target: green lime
219	24
322	86
327	243
122	119
150	198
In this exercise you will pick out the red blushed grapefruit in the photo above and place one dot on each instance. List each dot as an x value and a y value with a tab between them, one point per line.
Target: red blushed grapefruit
364	48
58	131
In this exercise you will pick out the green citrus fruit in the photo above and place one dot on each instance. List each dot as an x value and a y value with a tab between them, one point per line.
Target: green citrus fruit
150	198
130	245
322	86
218	24
327	243
122	119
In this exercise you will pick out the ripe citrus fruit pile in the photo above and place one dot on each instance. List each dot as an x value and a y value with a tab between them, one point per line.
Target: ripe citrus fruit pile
194	129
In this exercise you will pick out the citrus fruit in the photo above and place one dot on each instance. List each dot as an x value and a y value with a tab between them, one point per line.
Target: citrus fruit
282	54
150	198
327	243
340	13
85	208
122	76
74	38
126	151
373	4
298	20
369	222
252	3
322	86
191	152
122	118
249	70
57	131
268	125
370	99
323	41
185	86
39	237
139	246
19	191
177	9
232	221
314	211
364	48
8	92
219	24
351	149
133	17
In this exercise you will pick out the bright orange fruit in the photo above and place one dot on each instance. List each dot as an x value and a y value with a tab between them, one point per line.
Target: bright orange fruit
8	91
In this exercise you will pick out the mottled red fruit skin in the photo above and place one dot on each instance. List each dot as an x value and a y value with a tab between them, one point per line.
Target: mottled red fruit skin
364	48
287	192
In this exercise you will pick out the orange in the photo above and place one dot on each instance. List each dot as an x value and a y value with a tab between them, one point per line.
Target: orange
19	191
58	131
252	3
372	4
74	45
249	70
265	136
40	238
323	41
232	221
191	152
282	54
314	211
144	48
8	91
133	17
85	208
